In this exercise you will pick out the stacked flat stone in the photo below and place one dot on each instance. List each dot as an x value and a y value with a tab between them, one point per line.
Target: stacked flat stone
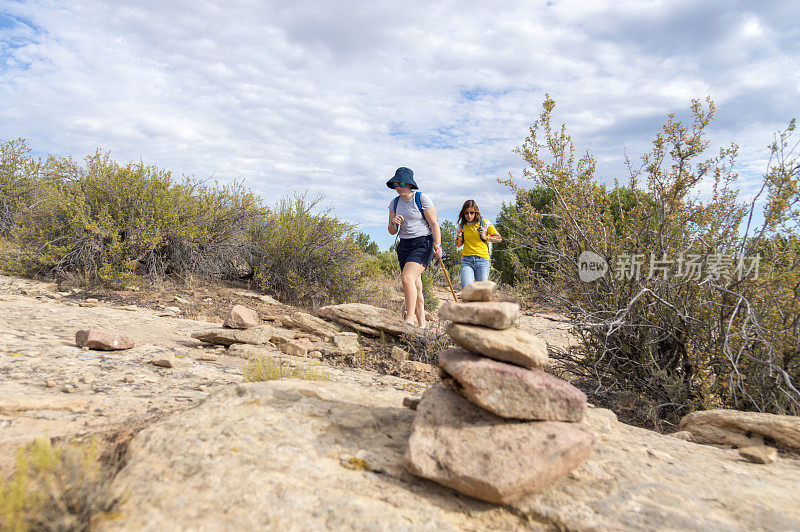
496	428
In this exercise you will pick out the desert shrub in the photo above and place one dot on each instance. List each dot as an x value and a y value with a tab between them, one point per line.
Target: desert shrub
680	318
18	177
265	368
110	223
425	346
307	257
428	294
387	262
55	488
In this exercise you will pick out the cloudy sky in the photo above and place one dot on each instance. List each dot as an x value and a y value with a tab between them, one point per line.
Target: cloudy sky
332	96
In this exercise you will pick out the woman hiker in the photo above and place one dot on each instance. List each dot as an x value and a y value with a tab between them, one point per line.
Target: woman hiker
414	216
474	233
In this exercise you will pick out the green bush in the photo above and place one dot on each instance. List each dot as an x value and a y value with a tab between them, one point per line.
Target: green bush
387	263
648	329
110	223
307	257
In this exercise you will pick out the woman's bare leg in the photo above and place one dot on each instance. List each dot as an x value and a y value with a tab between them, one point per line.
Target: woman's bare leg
411	274
420	303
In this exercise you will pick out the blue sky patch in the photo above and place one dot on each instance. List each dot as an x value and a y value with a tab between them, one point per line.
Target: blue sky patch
479	93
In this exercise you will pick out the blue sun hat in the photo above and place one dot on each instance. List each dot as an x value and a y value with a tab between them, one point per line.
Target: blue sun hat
402	175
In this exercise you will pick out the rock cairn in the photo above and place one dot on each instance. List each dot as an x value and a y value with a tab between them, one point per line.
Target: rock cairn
496	428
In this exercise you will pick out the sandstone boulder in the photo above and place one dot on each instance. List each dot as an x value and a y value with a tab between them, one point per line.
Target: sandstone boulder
103	340
511	391
346	343
510	345
372	319
478	291
312	324
258	335
742	429
759	454
460	445
295	347
240	317
496	315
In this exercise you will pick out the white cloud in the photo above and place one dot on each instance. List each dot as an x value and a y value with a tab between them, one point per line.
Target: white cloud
334	96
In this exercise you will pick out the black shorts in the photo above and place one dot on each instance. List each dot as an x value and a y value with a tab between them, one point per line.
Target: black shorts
419	249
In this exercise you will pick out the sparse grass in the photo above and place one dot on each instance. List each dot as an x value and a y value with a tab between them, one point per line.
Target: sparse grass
58	487
265	368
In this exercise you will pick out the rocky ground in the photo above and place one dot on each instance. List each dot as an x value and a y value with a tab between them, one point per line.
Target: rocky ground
203	450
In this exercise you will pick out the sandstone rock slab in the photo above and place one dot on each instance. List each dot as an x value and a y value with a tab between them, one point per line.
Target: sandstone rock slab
288	455
372	318
312	324
258	335
511	391
250	350
497	315
478	291
510	345
457	444
103	340
742	429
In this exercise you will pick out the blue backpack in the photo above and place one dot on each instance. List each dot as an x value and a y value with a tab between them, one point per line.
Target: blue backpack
417	200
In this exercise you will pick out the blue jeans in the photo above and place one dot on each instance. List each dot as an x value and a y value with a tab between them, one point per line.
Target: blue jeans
473	268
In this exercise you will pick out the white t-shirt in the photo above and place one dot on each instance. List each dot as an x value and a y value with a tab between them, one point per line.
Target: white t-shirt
414	223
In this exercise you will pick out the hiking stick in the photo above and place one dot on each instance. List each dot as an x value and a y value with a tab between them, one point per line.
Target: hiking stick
398	234
447	276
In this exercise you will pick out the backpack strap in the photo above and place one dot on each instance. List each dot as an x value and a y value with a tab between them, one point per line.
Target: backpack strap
417	200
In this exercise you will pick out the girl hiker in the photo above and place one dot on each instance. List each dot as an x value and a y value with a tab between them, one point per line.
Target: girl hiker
413	215
474	233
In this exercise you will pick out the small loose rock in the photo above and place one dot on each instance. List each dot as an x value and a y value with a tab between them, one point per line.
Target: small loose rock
759	454
411	402
164	362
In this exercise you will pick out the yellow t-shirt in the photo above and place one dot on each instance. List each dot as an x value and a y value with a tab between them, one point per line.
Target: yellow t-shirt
473	245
